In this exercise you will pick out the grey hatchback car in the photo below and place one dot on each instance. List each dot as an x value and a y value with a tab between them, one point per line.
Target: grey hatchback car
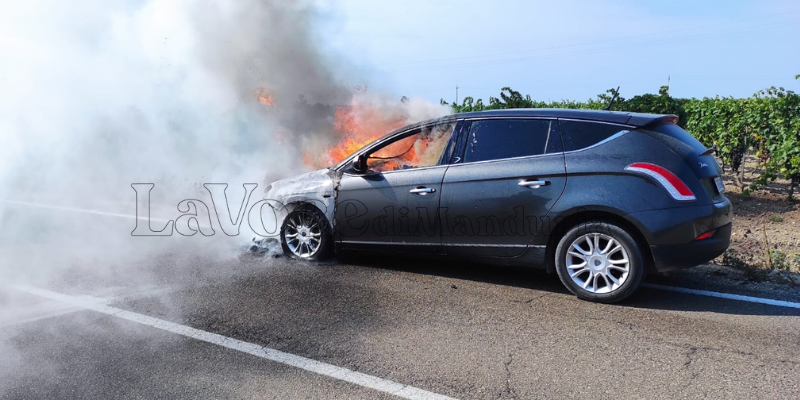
601	198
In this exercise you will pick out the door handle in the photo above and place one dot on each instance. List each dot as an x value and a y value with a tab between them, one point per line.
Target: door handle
533	184
422	191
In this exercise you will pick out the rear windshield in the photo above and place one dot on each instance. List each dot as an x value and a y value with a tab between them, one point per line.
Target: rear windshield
676	132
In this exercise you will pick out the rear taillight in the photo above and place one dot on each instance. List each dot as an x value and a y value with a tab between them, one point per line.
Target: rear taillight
706	235
675	187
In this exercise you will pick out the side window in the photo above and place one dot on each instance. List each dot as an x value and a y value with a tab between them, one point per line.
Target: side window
581	134
496	139
422	148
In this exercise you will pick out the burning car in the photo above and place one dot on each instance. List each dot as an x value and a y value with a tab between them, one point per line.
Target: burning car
601	198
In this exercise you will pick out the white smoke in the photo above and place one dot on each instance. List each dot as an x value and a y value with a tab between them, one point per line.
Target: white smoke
110	93
97	95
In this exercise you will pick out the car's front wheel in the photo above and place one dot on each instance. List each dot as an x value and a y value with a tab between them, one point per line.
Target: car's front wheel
600	262
305	234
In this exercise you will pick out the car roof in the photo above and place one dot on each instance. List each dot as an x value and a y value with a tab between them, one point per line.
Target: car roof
637	120
616	117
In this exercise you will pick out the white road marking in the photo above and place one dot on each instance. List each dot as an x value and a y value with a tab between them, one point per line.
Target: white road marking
94	212
78	210
318	367
113	294
15	315
738	297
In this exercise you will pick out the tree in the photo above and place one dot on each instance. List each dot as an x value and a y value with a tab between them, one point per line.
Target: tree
662	103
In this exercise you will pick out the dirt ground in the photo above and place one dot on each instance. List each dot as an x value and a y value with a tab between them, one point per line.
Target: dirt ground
766	226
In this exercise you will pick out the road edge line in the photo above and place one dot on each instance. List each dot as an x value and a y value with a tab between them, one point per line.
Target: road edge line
308	364
729	296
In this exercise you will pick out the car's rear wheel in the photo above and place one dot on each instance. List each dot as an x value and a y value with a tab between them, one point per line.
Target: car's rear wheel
305	234
600	262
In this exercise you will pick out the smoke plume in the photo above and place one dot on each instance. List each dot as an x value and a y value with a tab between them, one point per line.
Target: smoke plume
98	95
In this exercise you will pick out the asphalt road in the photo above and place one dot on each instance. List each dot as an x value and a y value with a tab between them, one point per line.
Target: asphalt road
465	331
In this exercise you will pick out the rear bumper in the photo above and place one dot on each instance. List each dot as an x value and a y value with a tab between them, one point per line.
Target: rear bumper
671	233
677	256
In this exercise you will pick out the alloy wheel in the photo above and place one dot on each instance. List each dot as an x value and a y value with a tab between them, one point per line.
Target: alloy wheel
303	233
598	263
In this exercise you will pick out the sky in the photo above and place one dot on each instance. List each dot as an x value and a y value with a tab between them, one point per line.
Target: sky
568	49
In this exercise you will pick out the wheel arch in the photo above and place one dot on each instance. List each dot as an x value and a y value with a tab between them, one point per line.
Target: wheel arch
580	215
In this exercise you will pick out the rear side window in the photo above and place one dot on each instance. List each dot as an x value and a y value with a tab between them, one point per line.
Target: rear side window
582	134
506	138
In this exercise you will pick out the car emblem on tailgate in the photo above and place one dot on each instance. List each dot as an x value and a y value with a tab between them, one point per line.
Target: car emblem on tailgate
703	165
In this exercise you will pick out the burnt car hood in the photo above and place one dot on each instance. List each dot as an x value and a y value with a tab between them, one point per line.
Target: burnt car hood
315	187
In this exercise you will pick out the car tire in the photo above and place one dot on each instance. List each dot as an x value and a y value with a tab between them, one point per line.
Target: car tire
600	262
306	234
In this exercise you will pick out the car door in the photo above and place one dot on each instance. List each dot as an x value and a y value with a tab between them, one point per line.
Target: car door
506	176
394	205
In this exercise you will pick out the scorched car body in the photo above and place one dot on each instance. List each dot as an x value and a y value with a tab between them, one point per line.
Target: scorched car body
600	197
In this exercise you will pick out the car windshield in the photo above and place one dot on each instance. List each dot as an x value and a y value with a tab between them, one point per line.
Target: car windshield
421	149
428	143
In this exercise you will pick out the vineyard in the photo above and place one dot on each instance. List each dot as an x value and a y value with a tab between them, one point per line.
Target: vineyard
764	127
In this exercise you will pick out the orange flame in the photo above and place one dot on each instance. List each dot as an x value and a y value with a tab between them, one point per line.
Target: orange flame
356	126
264	97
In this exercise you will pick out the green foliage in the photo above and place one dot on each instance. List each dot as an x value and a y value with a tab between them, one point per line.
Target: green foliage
768	123
732	258
721	122
778	259
510	98
662	103
775	118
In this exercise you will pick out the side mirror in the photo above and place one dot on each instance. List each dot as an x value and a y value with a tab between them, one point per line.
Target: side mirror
359	164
